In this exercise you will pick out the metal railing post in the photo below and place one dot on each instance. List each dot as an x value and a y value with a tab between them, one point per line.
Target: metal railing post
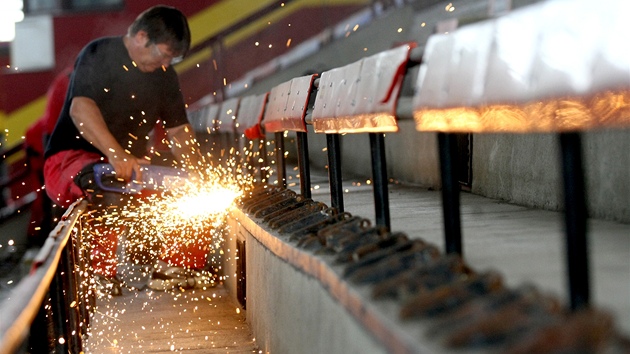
303	165
379	177
59	314
262	166
334	171
71	288
280	165
83	288
41	334
575	220
447	148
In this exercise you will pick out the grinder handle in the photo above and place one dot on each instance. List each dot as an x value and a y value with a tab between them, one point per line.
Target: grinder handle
105	178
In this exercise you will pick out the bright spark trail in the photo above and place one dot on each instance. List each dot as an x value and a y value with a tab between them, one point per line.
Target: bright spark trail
190	213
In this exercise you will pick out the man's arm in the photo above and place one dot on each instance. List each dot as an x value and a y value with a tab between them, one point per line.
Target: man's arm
89	121
184	146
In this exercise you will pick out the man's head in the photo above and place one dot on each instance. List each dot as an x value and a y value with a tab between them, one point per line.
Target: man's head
160	36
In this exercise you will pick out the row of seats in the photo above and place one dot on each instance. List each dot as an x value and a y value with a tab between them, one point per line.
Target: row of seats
364	97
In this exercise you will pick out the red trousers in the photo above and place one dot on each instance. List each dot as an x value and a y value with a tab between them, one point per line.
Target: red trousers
59	172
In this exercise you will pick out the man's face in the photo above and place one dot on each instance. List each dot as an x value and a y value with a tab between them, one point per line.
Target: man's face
152	56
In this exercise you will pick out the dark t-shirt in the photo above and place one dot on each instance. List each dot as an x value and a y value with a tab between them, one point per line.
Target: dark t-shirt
131	102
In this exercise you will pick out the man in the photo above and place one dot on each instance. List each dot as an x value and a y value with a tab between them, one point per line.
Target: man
121	87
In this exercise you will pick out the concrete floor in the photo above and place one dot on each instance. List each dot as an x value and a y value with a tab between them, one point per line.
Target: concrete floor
143	321
191	321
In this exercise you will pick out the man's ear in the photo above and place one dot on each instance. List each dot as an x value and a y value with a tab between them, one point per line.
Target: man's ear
142	38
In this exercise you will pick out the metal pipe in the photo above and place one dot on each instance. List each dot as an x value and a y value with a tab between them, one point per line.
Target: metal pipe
575	220
304	165
83	271
39	335
447	148
59	306
379	177
404	108
234	145
334	171
280	165
71	299
262	154
29	294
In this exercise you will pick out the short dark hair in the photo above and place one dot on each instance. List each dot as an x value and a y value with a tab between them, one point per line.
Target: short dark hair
164	24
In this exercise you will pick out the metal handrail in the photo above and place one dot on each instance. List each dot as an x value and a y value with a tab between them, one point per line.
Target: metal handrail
13	178
19	310
16	176
4	154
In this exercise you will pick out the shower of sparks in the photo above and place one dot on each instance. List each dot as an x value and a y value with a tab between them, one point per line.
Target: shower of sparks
195	205
189	213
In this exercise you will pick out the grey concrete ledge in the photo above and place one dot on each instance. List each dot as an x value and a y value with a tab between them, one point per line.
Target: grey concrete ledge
379	319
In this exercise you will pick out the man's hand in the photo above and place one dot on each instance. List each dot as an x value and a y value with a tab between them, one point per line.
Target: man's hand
89	121
127	166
